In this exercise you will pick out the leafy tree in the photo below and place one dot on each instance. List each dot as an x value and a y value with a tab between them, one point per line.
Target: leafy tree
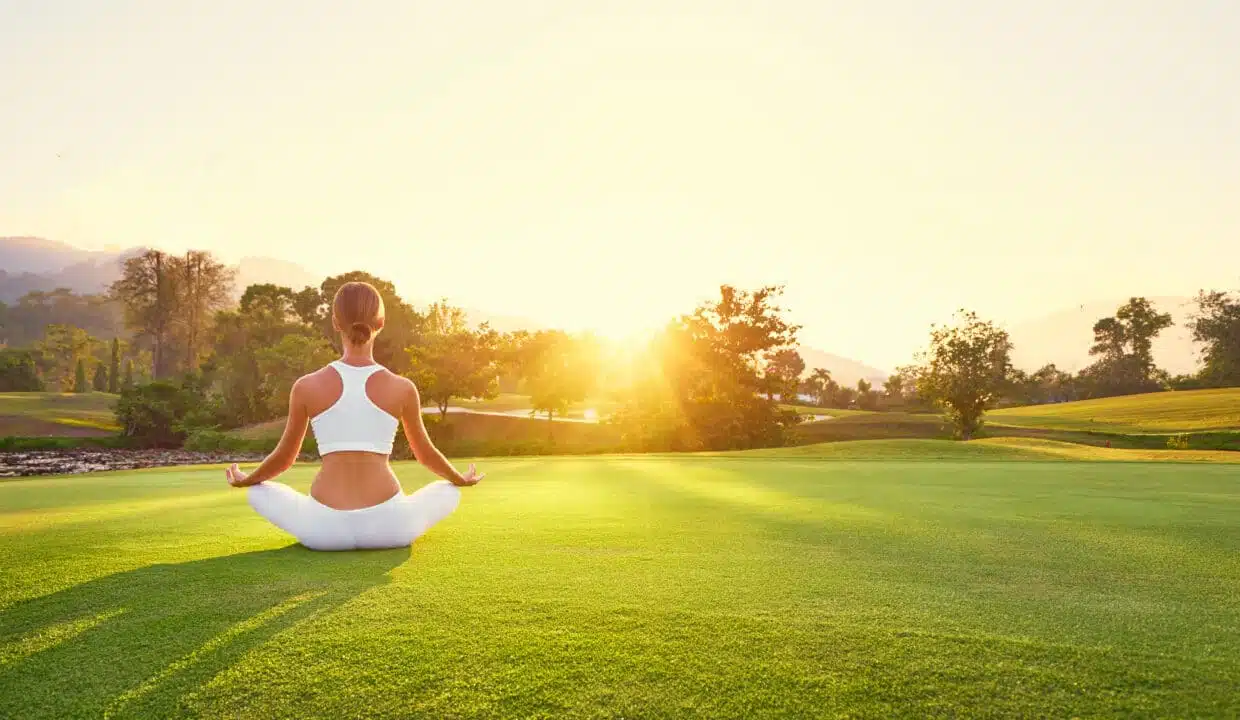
127	382
819	385
279	366
19	371
893	387
248	393
59	353
79	377
451	360
1123	345
310	306
784	368
114	367
867	397
205	286
100	382
701	383
965	369
147	290
558	370
402	324
1216	324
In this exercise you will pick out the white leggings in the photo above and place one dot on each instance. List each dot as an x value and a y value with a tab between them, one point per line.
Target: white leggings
390	524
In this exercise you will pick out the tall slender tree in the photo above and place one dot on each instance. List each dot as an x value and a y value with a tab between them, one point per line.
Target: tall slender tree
147	292
79	377
204	286
114	367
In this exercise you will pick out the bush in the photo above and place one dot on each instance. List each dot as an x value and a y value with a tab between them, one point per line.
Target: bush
1178	442
211	440
163	413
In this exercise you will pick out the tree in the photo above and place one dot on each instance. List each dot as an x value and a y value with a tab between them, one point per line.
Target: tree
79	377
127	382
251	382
100	382
19	371
279	365
309	306
147	291
818	385
867	397
784	368
965	369
205	286
558	370
700	382
1216	324
1123	345
451	360
893	387
114	367
59	353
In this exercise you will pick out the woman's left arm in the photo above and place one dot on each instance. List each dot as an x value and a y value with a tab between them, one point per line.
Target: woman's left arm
285	454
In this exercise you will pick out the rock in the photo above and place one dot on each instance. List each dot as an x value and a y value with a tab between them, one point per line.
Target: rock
68	462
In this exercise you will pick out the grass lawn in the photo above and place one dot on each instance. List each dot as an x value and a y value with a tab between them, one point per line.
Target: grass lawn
46	413
691	586
1164	412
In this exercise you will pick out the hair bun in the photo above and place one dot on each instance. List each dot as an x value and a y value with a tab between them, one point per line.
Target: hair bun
360	332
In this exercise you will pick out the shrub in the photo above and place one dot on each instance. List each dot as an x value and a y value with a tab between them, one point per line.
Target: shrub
1178	442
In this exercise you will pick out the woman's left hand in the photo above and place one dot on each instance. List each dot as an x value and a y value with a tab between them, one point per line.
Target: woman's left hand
236	477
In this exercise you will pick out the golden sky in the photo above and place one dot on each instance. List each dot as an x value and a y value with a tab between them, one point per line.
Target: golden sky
607	164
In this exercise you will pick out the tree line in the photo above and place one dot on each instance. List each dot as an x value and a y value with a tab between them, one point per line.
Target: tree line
186	355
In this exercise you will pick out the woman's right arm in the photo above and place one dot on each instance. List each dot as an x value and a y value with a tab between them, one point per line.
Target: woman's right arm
424	450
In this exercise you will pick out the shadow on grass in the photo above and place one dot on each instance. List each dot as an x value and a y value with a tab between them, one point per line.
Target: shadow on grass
138	643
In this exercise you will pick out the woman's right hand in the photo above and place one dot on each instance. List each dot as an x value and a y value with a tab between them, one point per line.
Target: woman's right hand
470	477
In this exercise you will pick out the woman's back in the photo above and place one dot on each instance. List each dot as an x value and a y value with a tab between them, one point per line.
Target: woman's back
354	412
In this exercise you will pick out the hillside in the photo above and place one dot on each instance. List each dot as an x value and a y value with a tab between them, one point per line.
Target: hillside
844	371
57	414
1185	411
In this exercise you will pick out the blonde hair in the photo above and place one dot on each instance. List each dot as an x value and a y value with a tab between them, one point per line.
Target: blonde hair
358	309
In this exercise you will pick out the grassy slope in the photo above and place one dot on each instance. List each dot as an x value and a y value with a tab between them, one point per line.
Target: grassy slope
1003	448
639	587
1165	412
32	414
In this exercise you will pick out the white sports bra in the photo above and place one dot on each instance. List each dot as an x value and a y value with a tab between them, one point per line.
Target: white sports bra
353	422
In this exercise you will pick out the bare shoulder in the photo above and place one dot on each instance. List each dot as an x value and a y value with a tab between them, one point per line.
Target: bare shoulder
317	390
391	392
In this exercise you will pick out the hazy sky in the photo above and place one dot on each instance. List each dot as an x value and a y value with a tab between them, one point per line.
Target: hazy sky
608	164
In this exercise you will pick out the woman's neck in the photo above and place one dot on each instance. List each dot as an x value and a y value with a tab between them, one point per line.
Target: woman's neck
360	356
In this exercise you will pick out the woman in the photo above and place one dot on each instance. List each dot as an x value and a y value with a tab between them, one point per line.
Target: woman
353	405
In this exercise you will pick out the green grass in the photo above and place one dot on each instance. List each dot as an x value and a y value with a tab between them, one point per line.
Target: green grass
1164	412
688	586
45	413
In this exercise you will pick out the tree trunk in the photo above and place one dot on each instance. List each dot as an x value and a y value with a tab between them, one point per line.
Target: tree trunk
443	410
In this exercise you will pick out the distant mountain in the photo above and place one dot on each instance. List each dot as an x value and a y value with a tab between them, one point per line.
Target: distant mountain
843	370
28	264
257	270
1064	337
20	255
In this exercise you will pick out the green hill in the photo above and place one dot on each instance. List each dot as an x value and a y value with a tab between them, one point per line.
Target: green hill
34	414
1164	412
